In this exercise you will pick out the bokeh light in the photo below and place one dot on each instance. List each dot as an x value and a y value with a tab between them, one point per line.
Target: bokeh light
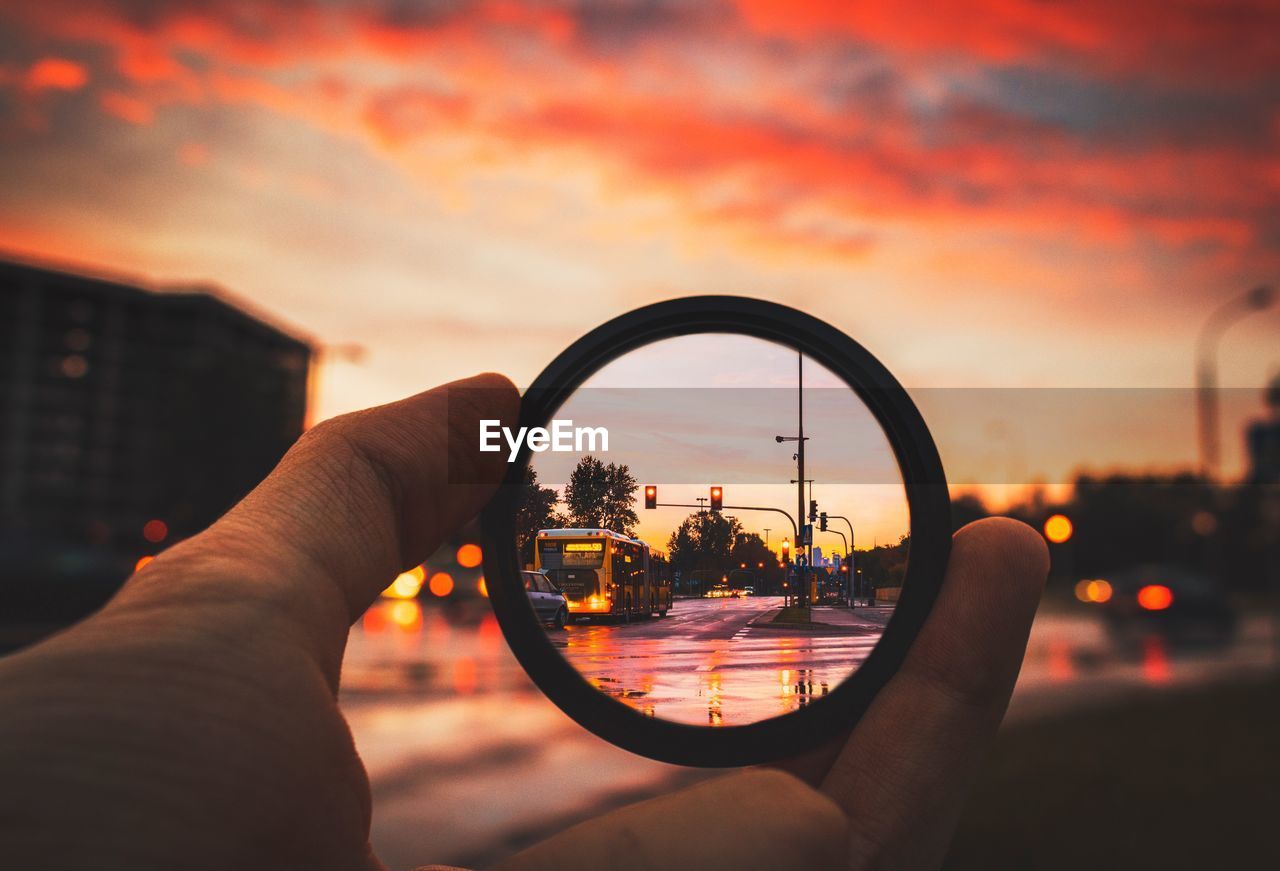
1095	591
441	584
1058	528
1155	597
407	585
469	556
155	531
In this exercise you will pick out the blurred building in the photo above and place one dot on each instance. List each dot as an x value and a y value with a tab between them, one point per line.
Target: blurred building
130	419
1263	441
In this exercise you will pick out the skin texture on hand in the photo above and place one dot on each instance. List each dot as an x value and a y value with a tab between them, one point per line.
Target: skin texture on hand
192	723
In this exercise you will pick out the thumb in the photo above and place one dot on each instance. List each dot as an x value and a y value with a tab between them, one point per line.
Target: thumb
355	501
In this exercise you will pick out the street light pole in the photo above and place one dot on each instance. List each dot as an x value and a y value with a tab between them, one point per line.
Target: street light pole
1207	343
804	592
800	439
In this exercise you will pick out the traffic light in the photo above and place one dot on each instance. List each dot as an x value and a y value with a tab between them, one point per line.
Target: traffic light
650	496
717	498
822	521
786	552
813	510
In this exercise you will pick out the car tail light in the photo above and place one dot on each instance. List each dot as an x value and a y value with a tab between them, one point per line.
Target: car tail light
1155	597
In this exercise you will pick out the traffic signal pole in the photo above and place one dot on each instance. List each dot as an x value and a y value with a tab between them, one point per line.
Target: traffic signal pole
848	523
733	508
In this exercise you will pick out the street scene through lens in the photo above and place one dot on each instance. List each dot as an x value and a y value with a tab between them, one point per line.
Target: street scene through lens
737	551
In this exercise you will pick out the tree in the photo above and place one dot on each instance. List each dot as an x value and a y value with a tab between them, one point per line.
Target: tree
704	543
535	510
749	548
602	496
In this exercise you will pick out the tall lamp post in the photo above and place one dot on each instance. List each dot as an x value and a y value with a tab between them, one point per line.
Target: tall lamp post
799	438
1210	337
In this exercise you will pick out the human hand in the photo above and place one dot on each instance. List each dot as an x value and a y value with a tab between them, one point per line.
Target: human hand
192	723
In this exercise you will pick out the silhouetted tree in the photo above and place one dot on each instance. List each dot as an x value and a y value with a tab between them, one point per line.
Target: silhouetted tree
535	510
704	542
602	496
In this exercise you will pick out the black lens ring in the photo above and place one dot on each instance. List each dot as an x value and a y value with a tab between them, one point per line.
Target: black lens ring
928	503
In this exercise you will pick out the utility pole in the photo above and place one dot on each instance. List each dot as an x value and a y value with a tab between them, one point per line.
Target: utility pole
804	592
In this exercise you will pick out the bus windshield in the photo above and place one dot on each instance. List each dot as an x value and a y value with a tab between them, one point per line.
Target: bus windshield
556	554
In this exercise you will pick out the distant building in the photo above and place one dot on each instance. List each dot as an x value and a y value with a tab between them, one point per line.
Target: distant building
1263	441
124	410
817	555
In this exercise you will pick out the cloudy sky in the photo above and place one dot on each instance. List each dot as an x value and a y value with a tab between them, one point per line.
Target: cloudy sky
997	193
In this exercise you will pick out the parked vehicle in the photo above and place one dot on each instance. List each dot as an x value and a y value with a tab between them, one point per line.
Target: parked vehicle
547	600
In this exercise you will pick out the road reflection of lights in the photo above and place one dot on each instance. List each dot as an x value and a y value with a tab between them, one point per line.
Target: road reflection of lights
464	676
714	715
1155	659
489	629
406	614
1061	663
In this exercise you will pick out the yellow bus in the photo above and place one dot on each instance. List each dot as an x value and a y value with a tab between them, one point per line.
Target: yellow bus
604	574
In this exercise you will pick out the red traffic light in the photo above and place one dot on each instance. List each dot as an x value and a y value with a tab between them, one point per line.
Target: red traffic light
717	498
650	496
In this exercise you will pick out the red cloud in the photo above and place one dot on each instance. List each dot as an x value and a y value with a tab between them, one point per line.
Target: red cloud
1186	41
55	74
741	133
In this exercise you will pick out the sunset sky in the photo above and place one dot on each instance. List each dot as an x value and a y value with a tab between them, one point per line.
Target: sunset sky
1002	193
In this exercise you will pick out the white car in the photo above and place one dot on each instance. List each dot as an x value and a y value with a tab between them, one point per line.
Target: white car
547	600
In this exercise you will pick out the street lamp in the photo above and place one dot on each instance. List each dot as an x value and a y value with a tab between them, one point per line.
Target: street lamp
1211	334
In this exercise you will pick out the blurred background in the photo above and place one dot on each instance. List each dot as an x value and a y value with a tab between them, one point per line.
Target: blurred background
1055	223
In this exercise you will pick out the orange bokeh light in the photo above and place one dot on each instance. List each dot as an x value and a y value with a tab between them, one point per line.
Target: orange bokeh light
142	562
155	531
1058	528
1155	597
441	584
483	587
1097	591
407	584
469	556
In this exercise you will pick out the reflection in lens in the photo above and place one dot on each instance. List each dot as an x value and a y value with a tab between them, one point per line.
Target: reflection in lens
659	547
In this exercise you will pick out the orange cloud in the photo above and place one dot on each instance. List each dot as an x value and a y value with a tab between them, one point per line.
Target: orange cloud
126	108
193	153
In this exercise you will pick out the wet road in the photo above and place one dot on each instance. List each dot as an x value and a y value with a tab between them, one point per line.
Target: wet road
469	762
722	661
